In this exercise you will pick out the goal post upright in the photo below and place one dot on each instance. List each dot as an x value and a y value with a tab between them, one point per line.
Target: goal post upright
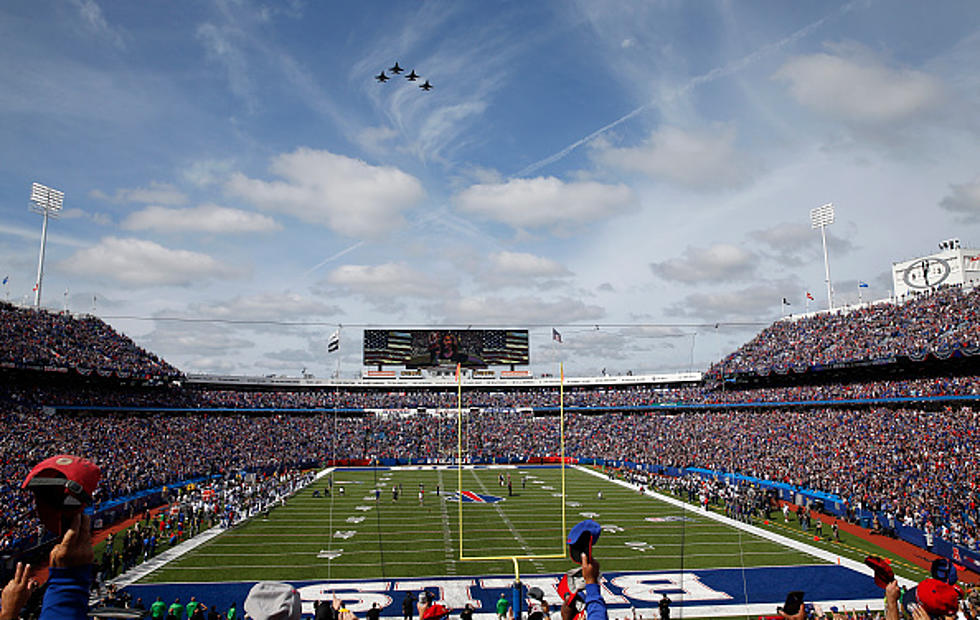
561	423
459	454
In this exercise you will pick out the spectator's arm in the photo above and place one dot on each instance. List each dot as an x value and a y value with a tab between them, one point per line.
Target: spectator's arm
595	605
70	574
892	593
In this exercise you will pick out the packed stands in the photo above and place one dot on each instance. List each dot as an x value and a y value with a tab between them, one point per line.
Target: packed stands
940	324
42	339
380	397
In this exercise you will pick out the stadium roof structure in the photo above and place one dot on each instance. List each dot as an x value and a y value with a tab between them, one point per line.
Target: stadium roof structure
666	379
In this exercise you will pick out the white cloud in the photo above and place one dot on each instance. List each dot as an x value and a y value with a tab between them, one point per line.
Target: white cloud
721	261
204	218
375	139
94	20
519	269
517	310
291	355
692	159
347	195
137	262
384	281
102	219
852	85
220	47
156	193
545	202
964	199
207	172
265	307
795	244
757	302
526	265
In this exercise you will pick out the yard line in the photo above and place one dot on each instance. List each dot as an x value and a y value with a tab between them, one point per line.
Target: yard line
446	536
507	522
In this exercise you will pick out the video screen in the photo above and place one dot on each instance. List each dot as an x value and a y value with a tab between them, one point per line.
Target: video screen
433	348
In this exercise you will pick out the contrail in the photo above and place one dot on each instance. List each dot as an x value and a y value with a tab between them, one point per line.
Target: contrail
694	82
333	257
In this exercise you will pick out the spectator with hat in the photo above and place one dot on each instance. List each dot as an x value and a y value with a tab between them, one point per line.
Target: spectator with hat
271	600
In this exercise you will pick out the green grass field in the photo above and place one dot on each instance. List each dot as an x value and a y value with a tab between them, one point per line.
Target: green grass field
355	536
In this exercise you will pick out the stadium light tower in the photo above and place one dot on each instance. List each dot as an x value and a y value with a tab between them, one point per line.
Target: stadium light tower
48	202
821	217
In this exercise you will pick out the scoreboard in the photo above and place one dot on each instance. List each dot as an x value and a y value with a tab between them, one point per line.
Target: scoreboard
433	348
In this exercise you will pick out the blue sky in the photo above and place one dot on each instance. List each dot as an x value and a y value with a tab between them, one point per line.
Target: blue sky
643	167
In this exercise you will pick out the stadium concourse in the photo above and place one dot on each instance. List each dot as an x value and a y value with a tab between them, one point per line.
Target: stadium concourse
869	415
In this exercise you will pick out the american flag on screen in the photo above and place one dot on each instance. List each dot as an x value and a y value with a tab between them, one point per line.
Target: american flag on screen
387	347
505	347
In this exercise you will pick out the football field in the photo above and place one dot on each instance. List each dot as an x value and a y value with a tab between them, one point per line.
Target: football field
354	535
361	542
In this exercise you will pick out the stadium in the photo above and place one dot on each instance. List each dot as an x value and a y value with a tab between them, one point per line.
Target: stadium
778	469
550	310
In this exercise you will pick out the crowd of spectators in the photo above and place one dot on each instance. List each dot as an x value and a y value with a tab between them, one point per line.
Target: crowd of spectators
30	337
916	466
446	398
939	323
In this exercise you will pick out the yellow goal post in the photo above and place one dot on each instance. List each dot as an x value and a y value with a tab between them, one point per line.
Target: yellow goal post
459	479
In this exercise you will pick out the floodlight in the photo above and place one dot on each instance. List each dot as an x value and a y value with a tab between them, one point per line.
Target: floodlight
48	202
46	198
822	216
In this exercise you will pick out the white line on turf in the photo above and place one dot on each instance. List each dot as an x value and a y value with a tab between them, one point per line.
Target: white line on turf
166	557
446	536
508	523
751	529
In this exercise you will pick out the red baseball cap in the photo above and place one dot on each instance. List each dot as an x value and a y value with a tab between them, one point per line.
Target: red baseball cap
883	572
937	598
61	484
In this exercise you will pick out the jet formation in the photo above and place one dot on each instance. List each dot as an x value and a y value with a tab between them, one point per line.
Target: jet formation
411	77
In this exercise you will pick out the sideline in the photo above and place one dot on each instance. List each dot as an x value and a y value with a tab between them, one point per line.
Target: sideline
160	560
821	554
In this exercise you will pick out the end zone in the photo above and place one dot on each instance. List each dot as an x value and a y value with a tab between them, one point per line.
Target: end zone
727	592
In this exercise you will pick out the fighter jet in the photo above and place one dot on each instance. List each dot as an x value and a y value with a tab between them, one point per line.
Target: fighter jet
426	86
411	77
396	69
381	77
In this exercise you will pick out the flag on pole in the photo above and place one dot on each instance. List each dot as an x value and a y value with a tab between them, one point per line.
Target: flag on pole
34	290
786	302
809	296
5	280
333	344
862	284
555	335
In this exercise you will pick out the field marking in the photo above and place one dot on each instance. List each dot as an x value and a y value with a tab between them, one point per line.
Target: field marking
604	557
708	528
162	559
446	534
829	557
517	535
